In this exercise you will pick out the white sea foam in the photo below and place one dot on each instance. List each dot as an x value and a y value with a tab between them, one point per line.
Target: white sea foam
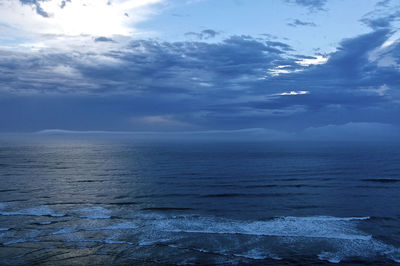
329	256
308	227
36	211
332	239
95	212
393	254
107	241
340	236
364	249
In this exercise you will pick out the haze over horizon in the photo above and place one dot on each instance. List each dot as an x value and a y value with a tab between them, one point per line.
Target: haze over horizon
279	69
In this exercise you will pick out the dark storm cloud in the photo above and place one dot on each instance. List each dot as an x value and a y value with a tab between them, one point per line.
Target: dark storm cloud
154	85
191	75
348	68
182	67
338	91
337	87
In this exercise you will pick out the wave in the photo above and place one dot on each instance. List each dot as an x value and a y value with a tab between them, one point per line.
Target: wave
332	238
119	226
329	256
381	180
166	209
46	223
95	212
29	237
308	227
327	238
36	211
257	254
65	231
247	195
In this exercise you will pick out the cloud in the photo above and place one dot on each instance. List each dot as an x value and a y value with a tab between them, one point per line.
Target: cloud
103	39
255	134
297	22
375	21
143	66
64	3
353	131
294	93
385	15
203	35
37	5
312	5
280	45
384	3
297	66
197	85
317	60
162	122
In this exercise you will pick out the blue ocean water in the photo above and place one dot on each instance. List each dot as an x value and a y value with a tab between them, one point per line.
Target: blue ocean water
66	202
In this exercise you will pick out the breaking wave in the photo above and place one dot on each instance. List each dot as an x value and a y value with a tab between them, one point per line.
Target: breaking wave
327	238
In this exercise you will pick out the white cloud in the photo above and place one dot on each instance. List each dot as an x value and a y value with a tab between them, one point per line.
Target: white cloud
283	69
318	60
305	62
294	93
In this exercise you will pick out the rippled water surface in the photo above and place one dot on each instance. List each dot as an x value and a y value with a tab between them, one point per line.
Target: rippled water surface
124	202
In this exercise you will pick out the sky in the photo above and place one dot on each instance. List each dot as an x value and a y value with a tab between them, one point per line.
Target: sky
276	69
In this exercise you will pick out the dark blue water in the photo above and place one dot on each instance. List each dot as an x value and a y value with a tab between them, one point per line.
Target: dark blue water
123	202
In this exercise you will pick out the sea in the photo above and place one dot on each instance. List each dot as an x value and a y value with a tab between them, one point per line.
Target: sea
128	202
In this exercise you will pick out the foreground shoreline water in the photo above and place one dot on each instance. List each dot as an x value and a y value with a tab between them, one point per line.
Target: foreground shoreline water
118	202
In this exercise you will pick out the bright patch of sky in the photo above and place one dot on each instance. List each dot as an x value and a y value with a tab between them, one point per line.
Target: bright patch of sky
40	24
